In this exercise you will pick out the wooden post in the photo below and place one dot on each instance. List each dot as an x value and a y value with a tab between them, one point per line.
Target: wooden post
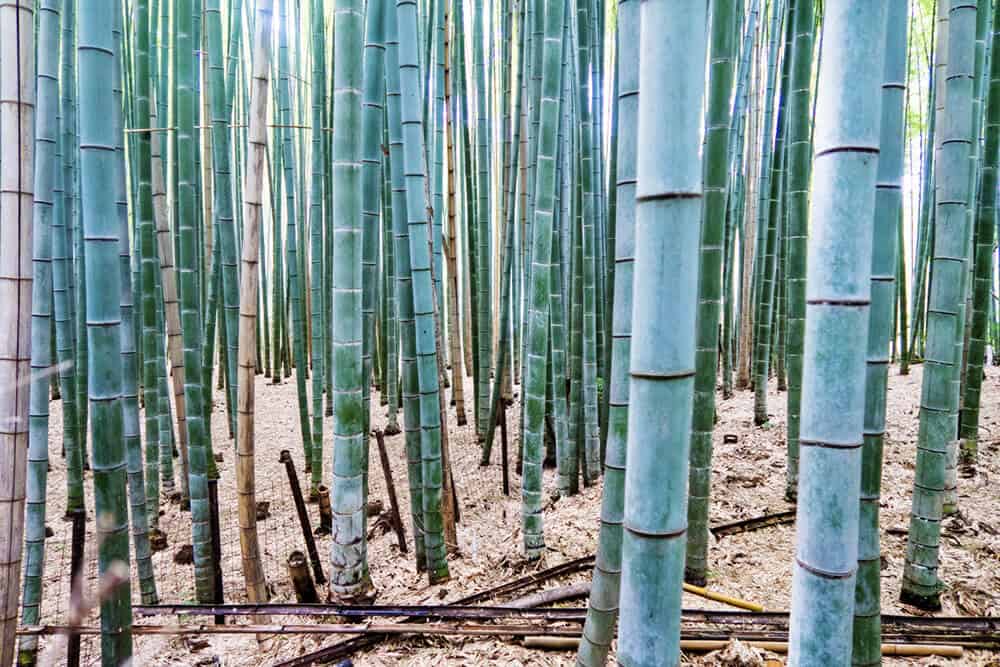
397	521
300	507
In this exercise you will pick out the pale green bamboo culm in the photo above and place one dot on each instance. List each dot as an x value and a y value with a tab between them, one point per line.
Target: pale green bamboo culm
138	517
672	44
602	608
417	205
867	636
350	574
537	334
945	324
103	316
983	269
797	209
838	292
190	298
47	171
720	80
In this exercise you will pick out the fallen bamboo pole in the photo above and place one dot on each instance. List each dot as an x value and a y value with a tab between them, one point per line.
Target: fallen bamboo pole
720	597
563	643
439	629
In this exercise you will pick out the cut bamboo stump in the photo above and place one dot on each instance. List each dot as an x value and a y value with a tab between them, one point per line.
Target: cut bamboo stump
325	511
300	507
298	571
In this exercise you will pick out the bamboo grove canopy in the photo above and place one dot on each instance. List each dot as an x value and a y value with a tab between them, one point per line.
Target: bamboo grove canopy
618	211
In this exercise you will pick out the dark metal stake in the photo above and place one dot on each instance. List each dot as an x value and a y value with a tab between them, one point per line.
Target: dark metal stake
397	521
300	507
503	448
79	518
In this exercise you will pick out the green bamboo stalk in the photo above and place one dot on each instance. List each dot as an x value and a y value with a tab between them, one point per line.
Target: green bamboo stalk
138	516
404	290
103	316
74	439
983	276
767	215
602	611
797	201
867	636
316	245
391	329
665	293
292	213
222	205
842	211
189	264
716	179
538	307
414	161
940	395
481	221
372	123
47	172
152	355
348	550
589	213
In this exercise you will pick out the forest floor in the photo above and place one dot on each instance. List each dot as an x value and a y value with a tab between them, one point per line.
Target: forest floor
748	480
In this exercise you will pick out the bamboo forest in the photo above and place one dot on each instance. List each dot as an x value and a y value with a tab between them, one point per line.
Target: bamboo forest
499	332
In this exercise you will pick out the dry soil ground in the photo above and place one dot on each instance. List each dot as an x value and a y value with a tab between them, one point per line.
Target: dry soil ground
748	480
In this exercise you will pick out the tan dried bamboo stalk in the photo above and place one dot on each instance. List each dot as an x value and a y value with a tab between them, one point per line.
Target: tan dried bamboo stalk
171	304
253	571
454	333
